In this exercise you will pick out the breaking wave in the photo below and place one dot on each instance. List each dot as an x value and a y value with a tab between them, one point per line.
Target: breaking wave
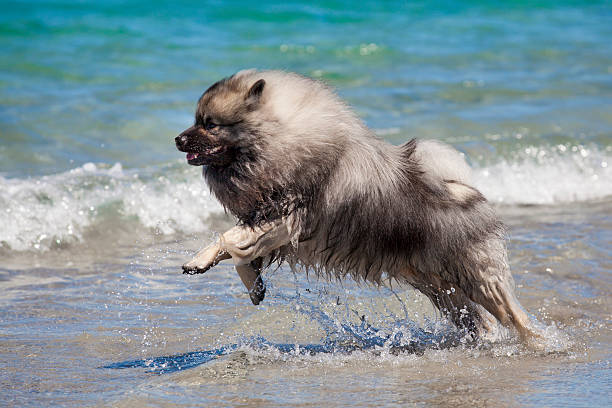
39	213
555	175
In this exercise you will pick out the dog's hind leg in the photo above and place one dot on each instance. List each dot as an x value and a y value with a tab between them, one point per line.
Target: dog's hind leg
455	305
467	307
496	295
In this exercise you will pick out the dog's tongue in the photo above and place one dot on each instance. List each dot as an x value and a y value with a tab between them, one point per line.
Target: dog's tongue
191	156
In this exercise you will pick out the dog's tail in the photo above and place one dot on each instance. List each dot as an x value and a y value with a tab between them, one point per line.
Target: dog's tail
442	161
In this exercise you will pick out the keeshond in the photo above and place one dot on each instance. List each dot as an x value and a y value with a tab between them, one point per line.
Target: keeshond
311	185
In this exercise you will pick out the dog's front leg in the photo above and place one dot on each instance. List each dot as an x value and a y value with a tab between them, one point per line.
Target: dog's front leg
206	259
250	274
246	247
245	244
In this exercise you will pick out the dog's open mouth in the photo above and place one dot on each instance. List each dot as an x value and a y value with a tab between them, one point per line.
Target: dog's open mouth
205	156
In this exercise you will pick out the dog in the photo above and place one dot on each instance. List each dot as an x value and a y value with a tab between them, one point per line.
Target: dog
311	185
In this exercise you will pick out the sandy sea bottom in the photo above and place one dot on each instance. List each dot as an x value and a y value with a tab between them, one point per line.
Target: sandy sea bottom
117	324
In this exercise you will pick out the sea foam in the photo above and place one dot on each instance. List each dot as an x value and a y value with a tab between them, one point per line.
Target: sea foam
538	175
39	213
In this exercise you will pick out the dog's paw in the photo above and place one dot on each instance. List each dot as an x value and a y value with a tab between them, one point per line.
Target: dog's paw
191	269
258	292
205	259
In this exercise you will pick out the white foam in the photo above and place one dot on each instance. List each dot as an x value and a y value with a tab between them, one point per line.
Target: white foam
548	176
40	212
36	213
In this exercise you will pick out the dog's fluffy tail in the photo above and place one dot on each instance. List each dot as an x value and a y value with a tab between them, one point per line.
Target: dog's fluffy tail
442	161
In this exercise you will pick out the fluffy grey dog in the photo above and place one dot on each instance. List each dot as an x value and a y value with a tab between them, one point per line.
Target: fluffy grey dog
312	185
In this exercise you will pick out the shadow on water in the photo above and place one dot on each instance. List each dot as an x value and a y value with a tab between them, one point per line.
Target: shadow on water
351	338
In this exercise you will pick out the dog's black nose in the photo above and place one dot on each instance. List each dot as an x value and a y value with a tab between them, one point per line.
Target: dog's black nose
180	141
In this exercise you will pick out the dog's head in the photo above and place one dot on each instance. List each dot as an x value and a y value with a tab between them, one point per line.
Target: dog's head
223	122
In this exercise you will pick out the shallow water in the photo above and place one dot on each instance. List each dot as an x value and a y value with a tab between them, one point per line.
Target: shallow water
98	210
136	331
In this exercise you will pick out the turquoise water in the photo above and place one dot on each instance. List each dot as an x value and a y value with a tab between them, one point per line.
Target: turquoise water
98	209
113	81
524	90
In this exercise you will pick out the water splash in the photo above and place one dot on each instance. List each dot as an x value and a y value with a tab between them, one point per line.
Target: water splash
357	339
343	336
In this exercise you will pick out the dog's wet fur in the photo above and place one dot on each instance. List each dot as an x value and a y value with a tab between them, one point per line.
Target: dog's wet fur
310	184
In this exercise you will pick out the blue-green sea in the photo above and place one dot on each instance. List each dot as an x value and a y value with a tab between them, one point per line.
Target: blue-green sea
98	209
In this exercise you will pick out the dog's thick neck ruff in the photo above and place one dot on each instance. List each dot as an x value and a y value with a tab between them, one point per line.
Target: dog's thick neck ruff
288	144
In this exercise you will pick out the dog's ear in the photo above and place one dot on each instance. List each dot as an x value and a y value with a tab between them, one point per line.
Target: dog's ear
254	94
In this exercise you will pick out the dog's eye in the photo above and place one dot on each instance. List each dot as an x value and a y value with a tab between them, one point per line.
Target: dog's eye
210	125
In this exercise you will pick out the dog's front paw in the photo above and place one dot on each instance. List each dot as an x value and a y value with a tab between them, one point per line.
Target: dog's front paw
258	292
205	259
191	269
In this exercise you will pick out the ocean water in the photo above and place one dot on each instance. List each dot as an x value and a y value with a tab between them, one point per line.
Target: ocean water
98	210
